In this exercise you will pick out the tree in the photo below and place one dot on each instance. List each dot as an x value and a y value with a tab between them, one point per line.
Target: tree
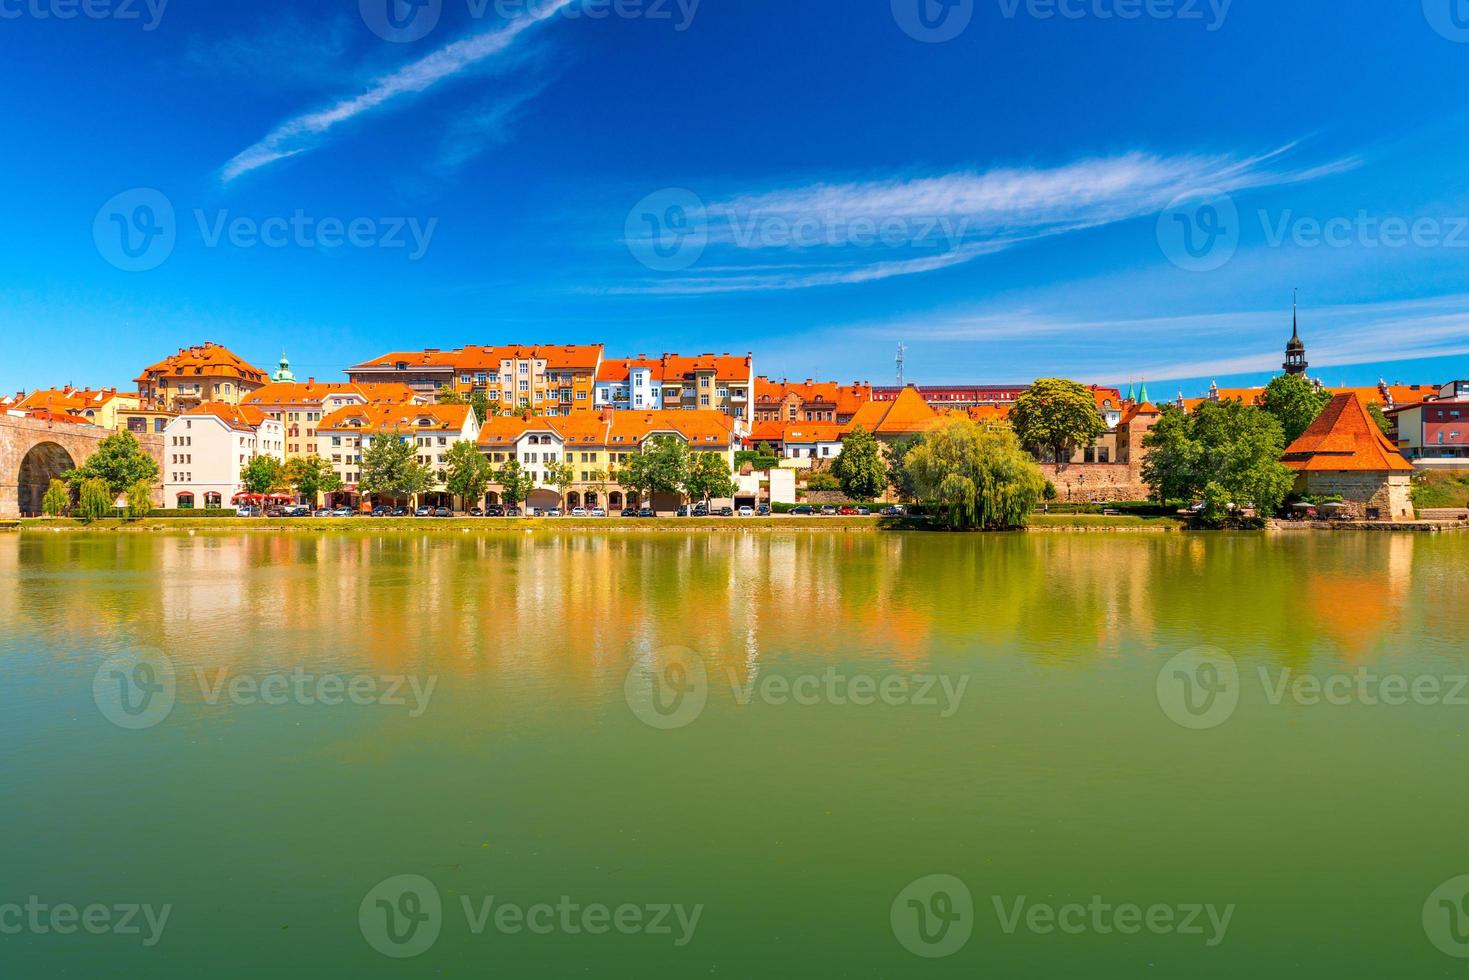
390	466
480	402
708	476
599	481
263	475
311	476
119	462
56	500
469	473
561	476
446	395
661	467
140	499
860	468
1383	423
1226	455
898	476
1057	415
823	482
95	501
1295	402
515	483
975	477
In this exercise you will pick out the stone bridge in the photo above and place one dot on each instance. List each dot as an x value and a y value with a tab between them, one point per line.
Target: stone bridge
33	452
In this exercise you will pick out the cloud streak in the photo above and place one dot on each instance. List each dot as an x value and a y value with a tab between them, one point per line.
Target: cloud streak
305	132
880	229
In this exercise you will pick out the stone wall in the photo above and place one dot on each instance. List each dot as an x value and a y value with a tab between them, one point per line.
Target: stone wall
1096	483
1389	493
60	446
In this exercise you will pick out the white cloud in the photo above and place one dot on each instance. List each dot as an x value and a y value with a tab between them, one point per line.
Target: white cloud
302	133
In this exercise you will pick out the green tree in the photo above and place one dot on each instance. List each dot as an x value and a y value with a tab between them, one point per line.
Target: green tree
480	402
119	462
140	499
860	467
899	478
446	395
515	483
1295	402
708	476
561	476
823	482
1383	423
975	477
661	467
1057	415
390	467
1226	455
263	475
599	482
95	501
311	476
469	473
56	500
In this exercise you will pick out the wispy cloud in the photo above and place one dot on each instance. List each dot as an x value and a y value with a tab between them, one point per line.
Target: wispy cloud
879	229
302	133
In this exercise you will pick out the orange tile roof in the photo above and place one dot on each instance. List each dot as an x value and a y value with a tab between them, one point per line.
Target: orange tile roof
617	368
423	358
726	367
1344	438
313	392
808	432
1133	410
206	360
908	414
386	416
989	413
246	418
47	415
69	399
846	399
488	358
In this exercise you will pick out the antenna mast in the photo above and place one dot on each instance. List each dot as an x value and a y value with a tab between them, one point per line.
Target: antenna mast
902	349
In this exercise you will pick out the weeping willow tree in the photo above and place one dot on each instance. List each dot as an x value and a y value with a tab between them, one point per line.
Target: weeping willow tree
975	476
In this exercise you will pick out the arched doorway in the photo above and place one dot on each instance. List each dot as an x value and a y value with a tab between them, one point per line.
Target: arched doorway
45	462
542	499
614	500
573	500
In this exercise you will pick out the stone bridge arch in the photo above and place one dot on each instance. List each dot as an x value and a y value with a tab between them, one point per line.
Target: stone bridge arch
33	451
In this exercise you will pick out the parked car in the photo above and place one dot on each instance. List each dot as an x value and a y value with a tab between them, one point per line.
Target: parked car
763	510
382	510
725	512
683	511
701	510
443	512
629	512
864	512
424	512
894	510
802	510
599	512
343	512
828	511
323	512
848	512
747	512
495	510
476	512
647	512
512	511
248	511
579	512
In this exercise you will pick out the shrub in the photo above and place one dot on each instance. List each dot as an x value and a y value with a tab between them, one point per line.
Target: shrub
95	500
56	500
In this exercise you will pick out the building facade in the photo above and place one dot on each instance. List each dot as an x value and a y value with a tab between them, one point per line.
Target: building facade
1343	453
1435	432
205	449
196	376
343	436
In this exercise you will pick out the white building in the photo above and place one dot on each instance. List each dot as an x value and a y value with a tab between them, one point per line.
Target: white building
343	435
205	449
634	383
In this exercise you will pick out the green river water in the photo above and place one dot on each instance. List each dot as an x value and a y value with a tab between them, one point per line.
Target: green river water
736	754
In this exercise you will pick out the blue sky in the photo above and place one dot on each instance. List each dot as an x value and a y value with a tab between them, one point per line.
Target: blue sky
1105	189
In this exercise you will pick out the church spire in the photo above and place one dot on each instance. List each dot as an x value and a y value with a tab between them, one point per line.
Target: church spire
1295	350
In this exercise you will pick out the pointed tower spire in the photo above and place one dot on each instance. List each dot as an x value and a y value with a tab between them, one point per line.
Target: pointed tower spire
1131	392
1142	393
1295	350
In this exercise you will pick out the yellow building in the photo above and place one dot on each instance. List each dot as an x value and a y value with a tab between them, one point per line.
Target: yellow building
344	435
196	375
300	406
545	379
